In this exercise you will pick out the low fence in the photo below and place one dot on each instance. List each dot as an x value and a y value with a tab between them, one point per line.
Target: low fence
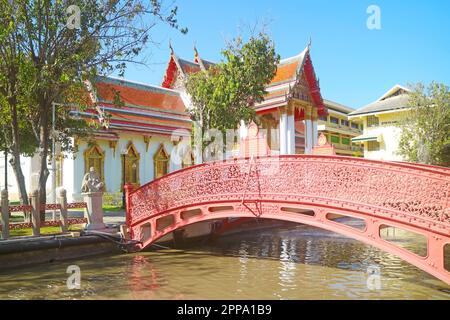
34	210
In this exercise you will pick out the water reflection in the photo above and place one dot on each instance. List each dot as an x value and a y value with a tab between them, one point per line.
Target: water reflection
286	263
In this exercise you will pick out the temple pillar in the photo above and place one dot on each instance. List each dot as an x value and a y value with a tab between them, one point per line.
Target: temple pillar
308	131
290	131
315	134
283	131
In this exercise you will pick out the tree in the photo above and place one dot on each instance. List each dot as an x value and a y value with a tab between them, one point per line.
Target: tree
13	79
425	135
61	44
225	94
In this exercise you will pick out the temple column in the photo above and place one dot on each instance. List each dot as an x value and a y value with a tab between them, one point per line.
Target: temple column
290	137
283	130
314	127
308	130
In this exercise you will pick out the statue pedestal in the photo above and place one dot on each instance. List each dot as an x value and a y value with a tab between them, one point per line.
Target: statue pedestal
94	210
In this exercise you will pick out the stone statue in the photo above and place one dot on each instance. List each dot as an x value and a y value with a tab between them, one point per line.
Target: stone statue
92	182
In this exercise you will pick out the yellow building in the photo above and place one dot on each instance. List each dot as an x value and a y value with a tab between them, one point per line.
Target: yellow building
381	134
339	130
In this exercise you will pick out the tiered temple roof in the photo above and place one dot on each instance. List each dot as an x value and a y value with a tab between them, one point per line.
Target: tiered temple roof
123	105
133	106
290	73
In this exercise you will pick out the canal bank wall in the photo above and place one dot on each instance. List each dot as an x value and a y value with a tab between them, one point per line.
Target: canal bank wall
25	252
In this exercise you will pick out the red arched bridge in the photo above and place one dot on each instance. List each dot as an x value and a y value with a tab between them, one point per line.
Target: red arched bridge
308	189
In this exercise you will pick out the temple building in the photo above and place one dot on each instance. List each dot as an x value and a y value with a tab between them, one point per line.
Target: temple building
380	119
134	141
289	113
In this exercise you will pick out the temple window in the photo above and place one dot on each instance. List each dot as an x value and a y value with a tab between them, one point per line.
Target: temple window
93	157
131	164
161	162
344	122
355	125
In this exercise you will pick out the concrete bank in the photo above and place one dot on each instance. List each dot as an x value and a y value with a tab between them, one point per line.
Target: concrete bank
25	252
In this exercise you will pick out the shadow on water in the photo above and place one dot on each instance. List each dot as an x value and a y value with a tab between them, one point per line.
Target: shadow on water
302	244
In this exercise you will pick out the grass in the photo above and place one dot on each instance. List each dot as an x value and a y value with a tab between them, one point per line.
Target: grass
44	230
112	208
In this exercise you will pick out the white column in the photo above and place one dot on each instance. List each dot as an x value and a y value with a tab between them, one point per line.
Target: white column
290	134
308	136
283	131
243	130
314	133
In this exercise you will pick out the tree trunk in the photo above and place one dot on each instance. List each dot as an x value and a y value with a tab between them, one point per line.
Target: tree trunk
15	153
43	153
20	178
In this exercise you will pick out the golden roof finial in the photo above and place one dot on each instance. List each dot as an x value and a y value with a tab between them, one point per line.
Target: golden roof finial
170	47
195	52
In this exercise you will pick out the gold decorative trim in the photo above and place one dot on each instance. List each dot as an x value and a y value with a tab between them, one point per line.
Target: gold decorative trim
314	115
147	142
113	145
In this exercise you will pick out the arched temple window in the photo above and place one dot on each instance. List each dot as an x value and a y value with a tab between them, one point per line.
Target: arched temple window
94	157
131	164
161	162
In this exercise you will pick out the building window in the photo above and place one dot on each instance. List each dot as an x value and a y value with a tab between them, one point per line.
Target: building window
323	118
334	120
161	162
355	125
344	122
346	141
131	163
373	146
335	139
94	157
372	121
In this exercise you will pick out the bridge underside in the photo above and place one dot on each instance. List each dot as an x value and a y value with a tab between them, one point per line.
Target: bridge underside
367	230
307	189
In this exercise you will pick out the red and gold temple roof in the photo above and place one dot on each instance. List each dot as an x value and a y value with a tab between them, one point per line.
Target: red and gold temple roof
290	72
137	107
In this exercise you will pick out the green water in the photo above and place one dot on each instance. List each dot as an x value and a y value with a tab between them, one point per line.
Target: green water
295	262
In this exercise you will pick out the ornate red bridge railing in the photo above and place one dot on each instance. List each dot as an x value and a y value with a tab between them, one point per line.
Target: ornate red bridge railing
412	197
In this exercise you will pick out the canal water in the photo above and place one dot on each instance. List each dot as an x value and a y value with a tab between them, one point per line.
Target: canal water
293	262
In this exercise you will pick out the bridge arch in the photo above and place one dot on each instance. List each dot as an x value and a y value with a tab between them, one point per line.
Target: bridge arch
311	190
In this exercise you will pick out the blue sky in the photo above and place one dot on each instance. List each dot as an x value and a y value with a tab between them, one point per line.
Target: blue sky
355	65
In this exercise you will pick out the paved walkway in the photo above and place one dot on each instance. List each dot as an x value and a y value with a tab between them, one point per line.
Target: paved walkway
110	217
